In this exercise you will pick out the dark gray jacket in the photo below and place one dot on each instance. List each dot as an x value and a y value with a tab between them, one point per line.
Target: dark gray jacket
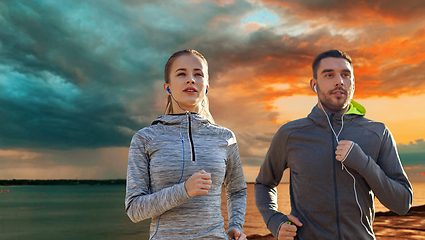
155	165
321	192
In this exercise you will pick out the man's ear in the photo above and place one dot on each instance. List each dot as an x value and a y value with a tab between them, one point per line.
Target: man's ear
313	83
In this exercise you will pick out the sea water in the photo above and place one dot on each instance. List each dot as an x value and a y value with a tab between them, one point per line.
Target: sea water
67	212
98	212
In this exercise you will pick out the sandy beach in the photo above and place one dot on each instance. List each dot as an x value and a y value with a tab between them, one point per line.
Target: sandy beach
387	225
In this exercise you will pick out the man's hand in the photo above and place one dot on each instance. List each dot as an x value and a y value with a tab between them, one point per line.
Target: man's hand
236	234
342	149
289	231
199	183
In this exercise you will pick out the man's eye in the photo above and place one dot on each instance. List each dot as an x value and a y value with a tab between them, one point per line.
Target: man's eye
328	75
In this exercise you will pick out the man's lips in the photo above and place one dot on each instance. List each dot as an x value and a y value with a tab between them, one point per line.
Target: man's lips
338	93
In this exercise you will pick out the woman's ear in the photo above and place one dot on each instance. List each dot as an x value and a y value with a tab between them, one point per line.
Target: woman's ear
167	88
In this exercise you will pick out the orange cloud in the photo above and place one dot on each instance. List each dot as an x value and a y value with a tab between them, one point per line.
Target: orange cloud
252	26
218	20
223	3
18	154
351	13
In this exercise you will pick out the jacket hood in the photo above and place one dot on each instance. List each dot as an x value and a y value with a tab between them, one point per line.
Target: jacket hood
177	119
356	108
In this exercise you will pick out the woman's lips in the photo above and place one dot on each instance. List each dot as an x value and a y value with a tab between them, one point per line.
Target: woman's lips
190	90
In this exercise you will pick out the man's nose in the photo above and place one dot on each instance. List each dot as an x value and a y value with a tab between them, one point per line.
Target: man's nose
339	81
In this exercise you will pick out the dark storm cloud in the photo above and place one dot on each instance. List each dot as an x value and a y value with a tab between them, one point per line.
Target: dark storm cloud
73	72
62	84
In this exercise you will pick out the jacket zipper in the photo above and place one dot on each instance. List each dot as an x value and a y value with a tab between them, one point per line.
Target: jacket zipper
335	181
192	148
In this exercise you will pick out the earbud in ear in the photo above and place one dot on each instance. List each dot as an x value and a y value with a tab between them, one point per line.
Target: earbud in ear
206	92
168	90
315	89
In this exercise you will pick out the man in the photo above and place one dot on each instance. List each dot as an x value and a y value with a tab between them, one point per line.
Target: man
338	160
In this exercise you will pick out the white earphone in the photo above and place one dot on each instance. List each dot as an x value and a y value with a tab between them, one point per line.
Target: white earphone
315	89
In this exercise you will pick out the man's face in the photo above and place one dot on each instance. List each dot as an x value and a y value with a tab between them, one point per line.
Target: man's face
334	84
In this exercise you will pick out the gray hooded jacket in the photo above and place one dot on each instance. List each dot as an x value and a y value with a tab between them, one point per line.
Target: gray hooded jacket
155	165
321	191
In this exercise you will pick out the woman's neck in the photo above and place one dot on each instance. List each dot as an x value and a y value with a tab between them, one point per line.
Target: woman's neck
183	109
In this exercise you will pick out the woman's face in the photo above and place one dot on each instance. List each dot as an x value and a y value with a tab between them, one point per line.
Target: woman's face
188	83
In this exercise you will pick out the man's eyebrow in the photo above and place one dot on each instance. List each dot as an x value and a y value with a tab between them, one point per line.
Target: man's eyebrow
331	70
327	70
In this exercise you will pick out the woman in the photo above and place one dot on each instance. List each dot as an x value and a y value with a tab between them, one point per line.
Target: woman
177	166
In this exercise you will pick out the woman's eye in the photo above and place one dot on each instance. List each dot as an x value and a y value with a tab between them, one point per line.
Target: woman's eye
181	74
198	74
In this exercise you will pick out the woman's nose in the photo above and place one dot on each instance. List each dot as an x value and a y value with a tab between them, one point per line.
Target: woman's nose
190	79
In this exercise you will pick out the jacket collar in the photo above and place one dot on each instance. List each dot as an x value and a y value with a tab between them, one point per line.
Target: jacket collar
177	119
318	116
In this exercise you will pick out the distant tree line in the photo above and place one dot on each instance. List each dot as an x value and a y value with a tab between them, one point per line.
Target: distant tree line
18	182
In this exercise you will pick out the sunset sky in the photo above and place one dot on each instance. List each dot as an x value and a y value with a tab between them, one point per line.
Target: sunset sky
79	78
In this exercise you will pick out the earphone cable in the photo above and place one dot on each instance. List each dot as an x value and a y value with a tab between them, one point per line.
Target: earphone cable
343	167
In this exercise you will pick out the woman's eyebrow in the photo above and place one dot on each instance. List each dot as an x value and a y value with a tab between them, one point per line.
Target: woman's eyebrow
181	69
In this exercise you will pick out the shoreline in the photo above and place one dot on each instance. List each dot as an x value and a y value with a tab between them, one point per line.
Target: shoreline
31	182
50	182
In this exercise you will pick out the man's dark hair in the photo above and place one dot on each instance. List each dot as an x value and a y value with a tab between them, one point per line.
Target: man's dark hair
330	53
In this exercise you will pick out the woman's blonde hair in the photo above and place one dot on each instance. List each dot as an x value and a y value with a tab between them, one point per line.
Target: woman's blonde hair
205	112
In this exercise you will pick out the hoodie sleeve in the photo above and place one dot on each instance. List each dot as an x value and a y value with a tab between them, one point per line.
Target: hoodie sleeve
235	185
140	203
385	176
270	175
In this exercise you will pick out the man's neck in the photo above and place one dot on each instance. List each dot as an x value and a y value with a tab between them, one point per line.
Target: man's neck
341	111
